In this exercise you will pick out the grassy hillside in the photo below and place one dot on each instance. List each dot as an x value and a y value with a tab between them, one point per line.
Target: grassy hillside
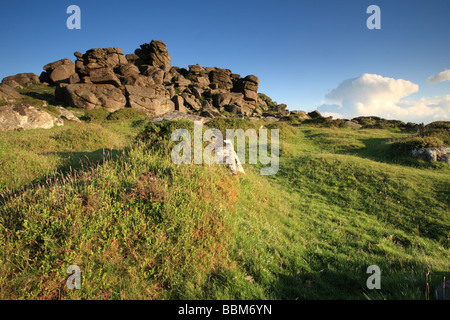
140	227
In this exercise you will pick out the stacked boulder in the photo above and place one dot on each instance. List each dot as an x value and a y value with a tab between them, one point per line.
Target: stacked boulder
146	81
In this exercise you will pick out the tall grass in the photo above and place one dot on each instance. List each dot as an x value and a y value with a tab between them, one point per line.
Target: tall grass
140	227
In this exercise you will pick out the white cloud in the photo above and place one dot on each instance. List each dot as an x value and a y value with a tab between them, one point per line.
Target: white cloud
440	77
375	95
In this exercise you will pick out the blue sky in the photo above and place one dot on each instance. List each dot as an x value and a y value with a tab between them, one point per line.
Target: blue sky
300	50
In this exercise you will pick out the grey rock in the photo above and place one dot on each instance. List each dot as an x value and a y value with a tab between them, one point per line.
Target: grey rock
66	114
25	117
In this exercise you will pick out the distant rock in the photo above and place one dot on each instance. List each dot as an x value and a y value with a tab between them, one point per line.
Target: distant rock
300	114
352	124
25	117
315	114
22	79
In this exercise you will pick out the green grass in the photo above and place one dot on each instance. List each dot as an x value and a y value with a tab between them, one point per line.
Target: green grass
141	227
30	156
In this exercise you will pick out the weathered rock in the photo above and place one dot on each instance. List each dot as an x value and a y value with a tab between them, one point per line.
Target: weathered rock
25	117
104	76
7	92
433	154
271	119
66	114
60	71
154	54
137	80
134	59
98	58
182	81
127	70
75	78
22	78
197	92
315	114
92	96
203	81
155	73
232	108
179	103
248	86
352	124
190	101
210	112
220	79
149	100
300	114
196	69
230	98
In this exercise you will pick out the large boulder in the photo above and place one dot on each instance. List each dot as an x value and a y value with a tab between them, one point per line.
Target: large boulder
92	96
315	115
229	98
149	100
191	102
59	71
248	86
25	117
154	54
127	70
22	78
220	79
104	76
99	58
7	93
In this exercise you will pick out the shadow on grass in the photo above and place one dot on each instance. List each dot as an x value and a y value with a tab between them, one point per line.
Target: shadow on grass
40	96
72	162
81	160
347	284
379	149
